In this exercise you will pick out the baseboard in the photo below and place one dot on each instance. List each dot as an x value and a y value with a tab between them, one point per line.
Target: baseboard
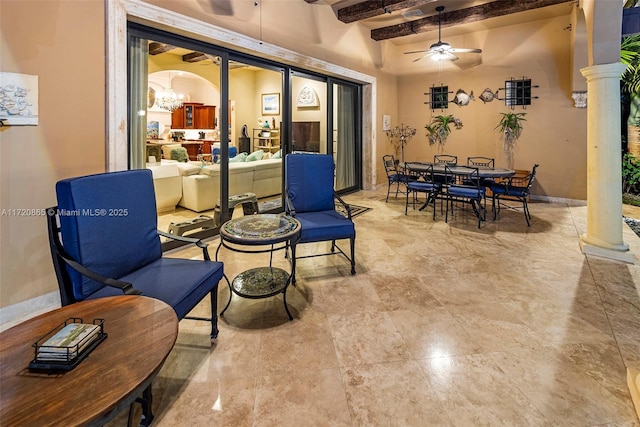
16	313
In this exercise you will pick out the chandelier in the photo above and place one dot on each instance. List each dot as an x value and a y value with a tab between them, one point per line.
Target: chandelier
167	99
402	134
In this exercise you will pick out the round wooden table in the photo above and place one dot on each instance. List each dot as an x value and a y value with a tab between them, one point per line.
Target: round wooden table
141	332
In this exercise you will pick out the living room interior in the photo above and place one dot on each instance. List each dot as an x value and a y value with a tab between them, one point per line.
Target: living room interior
556	130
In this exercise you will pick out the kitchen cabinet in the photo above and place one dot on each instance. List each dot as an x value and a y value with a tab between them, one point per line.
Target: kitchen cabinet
194	115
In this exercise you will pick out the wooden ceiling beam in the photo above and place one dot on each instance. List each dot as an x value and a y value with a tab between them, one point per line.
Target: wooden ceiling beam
156	48
462	16
194	57
371	8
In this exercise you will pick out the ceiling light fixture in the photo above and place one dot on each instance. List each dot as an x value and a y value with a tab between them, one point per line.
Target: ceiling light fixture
167	99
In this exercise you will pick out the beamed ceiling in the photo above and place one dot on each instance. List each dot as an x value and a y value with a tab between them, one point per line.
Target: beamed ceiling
390	19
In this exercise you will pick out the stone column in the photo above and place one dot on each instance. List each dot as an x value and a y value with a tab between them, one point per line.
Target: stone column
604	164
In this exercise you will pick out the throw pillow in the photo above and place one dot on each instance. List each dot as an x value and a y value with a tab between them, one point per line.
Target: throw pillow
179	154
239	158
277	155
256	155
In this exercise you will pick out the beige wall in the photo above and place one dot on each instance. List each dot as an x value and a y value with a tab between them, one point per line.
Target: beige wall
61	42
64	41
554	134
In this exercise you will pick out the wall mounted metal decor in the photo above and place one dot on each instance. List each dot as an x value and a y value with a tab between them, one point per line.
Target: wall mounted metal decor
462	99
488	95
517	92
438	97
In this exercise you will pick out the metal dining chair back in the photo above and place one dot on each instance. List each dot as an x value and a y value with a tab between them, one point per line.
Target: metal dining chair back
421	180
471	191
394	176
445	158
516	189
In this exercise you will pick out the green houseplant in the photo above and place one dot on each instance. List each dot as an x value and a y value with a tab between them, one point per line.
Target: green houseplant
510	127
440	128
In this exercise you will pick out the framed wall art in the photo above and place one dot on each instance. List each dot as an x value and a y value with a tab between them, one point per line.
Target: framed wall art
271	104
19	99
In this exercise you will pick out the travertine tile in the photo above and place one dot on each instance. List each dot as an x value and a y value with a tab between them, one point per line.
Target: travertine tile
443	324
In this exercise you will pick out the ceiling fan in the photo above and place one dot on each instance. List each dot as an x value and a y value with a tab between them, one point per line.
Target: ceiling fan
442	50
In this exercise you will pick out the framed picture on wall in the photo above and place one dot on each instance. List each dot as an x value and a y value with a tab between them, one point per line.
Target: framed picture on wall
271	104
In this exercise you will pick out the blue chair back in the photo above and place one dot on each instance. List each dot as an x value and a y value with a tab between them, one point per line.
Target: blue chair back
114	212
233	151
309	181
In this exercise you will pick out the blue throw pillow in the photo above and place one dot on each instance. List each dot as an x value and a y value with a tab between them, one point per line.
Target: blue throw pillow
239	158
256	155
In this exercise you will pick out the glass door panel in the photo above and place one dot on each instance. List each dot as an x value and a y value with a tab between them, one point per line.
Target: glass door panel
345	136
309	115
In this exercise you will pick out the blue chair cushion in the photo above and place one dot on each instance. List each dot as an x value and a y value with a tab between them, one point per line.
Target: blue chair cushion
467	192
118	216
324	225
423	186
509	190
181	283
310	182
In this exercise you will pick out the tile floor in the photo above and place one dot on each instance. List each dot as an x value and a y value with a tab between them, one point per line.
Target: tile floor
443	325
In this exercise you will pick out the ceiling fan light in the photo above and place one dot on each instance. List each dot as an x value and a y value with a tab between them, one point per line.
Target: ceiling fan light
440	56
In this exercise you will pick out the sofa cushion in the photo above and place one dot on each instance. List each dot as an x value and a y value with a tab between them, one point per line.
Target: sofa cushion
256	155
277	155
239	158
188	168
166	149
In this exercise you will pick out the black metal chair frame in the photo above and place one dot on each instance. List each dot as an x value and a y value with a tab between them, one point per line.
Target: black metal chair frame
478	203
419	180
521	195
394	176
485	162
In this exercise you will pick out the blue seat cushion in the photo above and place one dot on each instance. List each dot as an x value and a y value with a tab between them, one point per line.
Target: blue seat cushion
181	283
467	192
423	186
324	225
512	191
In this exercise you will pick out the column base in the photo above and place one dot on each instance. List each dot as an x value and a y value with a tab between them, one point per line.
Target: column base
633	381
614	252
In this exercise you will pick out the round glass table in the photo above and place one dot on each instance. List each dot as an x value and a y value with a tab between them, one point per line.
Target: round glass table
277	232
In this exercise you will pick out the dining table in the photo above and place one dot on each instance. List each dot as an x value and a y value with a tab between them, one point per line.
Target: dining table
440	168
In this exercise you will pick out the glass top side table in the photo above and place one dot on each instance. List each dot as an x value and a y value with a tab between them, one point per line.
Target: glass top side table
275	231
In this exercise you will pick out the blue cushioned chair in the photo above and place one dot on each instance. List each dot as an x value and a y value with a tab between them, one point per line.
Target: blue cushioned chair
104	242
421	181
310	198
394	176
473	194
517	189
215	153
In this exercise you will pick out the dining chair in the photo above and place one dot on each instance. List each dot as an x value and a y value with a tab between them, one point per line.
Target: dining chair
394	176
310	198
515	189
482	162
445	159
473	193
104	241
421	181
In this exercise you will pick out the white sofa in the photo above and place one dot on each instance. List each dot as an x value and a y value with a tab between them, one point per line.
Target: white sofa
200	186
167	183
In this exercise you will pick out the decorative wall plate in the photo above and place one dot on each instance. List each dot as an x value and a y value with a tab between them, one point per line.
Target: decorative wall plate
307	97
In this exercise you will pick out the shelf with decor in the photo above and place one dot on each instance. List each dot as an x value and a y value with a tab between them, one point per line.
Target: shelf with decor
266	139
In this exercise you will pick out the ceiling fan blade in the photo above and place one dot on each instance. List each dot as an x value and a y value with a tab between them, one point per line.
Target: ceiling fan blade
465	50
424	56
417	51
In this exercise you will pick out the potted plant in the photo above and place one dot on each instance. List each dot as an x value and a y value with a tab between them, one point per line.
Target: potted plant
510	126
439	129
